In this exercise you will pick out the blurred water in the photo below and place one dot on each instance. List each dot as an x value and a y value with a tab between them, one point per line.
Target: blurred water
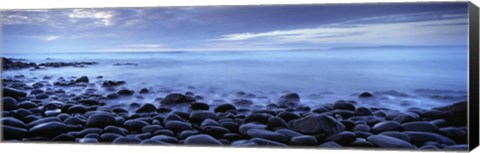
342	72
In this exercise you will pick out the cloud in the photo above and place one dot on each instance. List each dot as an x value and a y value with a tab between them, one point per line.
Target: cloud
50	38
404	33
99	17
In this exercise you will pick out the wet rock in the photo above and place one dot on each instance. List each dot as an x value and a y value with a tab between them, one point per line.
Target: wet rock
406	117
343	105
362	111
215	131
343	138
125	92
88	140
109	137
258	117
50	129
304	140
287	116
12	132
456	114
14	93
151	128
146	108
266	142
178	126
164	138
224	108
64	137
9	103
201	139
144	91
276	123
134	125
291	99
362	127
209	122
113	96
365	95
315	123
433	114
457	134
126	140
175	98
198	116
420	126
439	122
386	126
89	102
289	133
330	144
245	127
83	79
419	138
74	121
396	134
389	142
77	109
265	134
199	106
43	120
13	122
116	129
27	105
100	120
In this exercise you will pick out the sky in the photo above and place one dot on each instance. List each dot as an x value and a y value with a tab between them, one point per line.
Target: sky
239	28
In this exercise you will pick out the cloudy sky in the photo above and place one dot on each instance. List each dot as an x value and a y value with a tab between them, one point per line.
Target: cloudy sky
223	28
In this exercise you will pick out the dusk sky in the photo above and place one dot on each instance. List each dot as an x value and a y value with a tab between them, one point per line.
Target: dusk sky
223	28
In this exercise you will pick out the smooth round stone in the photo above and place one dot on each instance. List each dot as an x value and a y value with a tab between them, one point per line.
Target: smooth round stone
419	138
343	105
116	129
178	126
224	108
398	135
315	123
143	136
290	99
164	138
12	132
199	116
201	139
439	122
361	142
408	117
22	113
459	135
389	142
175	98
100	120
429	147
330	144
64	137
92	135
244	143
146	108
89	102
14	93
13	122
50	129
185	134
362	127
164	132
134	125
343	138
265	134
304	140
289	133
362	134
287	116
462	147
386	126
232	136
230	125
74	120
199	106
9	103
86	131
63	116
245	127
109	137
54	112
209	122
215	131
258	117
88	140
362	111
44	120
27	105
126	140
52	105
119	110
266	142
349	125
276	123
125	92
80	109
420	126
151	128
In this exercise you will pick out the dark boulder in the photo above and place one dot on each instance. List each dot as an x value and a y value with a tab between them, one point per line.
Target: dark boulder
201	139
362	111
224	108
178	126
342	138
313	124
9	103
419	138
175	98
343	105
386	126
198	116
83	79
365	95
89	102
146	108
49	129
291	99
330	144
14	93
420	126
199	106
389	142
12	132
304	140
456	114
265	134
100	120
134	125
